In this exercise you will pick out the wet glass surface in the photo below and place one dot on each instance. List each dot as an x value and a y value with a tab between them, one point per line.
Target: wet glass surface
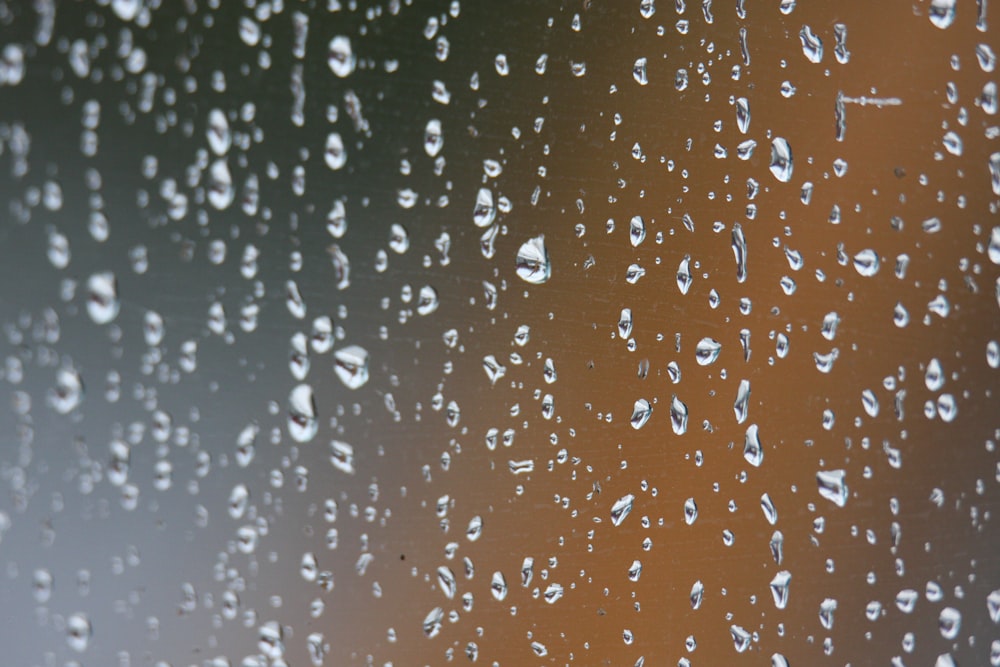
636	333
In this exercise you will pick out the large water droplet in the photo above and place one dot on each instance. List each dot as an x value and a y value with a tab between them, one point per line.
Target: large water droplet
942	13
498	586
302	421
678	415
832	486
753	452
636	231
621	508
433	139
993	250
779	588
741	638
707	351
684	278
340	56
335	155
78	632
342	456
68	392
782	163
485	210
812	45
866	262
950	622
447	582
640	413
102	297
533	265
351	366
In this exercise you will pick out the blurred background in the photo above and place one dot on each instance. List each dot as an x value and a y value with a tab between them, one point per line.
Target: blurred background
344	332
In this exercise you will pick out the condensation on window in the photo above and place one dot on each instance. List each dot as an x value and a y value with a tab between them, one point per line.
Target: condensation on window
344	332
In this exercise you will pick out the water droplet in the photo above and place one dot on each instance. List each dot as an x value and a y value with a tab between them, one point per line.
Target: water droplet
102	297
447	582
779	588
220	185
639	71
335	155
636	231
994	165
684	278
812	45
690	511
475	528
742	404
993	605
432	622
78	632
740	252
302	421
641	413
742	114
770	511
270	640
68	392
427	300
934	375
993	250
678	415
433	139
340	56
826	610
217	133
832	486
533	264
553	592
952	143
824	362
707	351
485	209
58	251
342	456
42	585
782	163
498	586
950	623
126	10
634	273
239	498
494	369
625	323
942	13
621	509
753	452
351	366
741	638
697	594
